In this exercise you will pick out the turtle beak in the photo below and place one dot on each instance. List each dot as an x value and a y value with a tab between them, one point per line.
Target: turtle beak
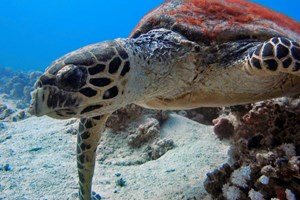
35	104
53	102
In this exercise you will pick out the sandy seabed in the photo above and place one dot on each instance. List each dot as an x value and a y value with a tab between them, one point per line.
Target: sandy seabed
42	161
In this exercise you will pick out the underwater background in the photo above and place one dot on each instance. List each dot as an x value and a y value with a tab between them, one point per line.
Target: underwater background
143	154
34	33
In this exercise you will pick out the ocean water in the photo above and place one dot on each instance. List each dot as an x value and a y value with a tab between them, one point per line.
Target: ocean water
37	155
34	33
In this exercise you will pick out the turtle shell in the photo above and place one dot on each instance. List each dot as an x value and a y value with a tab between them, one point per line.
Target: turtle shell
206	21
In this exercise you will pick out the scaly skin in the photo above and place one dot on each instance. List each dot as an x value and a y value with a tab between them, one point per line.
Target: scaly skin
183	65
89	133
277	55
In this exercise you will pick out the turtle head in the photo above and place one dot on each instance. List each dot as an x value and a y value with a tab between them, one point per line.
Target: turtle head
83	83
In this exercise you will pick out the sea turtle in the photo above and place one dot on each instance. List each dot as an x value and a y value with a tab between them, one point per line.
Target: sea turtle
183	54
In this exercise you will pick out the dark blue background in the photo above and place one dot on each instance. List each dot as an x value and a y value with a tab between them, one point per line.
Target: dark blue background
33	32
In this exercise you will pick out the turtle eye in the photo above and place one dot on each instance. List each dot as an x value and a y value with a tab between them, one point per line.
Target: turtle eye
71	77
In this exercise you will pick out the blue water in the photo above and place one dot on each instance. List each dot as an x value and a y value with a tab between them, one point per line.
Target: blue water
34	33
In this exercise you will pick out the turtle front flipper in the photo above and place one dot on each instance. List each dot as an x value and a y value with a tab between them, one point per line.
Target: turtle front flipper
274	56
89	133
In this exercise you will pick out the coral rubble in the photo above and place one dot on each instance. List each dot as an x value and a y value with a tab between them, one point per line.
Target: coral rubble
15	90
264	158
120	119
145	132
135	137
9	113
202	115
18	85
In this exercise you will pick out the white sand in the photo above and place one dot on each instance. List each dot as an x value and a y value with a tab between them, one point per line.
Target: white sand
49	172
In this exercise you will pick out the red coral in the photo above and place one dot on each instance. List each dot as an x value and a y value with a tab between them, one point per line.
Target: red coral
223	128
280	192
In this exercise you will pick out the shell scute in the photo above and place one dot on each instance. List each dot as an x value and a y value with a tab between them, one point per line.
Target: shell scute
212	18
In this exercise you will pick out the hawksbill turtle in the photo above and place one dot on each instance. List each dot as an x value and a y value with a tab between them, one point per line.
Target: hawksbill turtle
183	54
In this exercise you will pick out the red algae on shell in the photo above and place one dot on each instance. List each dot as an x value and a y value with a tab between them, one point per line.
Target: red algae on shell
211	18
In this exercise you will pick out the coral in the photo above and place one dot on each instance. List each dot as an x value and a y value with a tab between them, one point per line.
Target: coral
264	156
122	117
223	127
5	112
19	115
254	195
232	192
18	85
134	137
289	149
10	114
201	115
145	132
215	180
241	176
159	148
290	195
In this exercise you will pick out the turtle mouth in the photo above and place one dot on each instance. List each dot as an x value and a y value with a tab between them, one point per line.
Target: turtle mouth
53	102
34	108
